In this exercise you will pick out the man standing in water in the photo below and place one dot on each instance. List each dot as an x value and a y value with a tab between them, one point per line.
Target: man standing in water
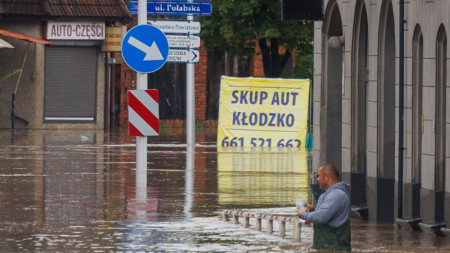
331	216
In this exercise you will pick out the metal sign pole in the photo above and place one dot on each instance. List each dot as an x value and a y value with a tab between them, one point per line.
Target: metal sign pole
190	98
141	141
189	185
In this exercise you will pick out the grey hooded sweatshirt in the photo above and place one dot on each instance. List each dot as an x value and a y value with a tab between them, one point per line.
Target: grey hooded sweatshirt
333	206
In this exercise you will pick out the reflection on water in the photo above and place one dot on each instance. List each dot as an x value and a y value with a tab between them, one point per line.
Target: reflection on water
261	178
75	191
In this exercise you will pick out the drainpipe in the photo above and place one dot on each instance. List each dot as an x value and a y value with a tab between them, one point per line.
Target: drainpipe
45	7
13	110
400	107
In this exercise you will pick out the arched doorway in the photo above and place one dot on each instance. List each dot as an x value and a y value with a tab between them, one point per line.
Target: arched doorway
417	119
359	101
331	90
440	123
385	172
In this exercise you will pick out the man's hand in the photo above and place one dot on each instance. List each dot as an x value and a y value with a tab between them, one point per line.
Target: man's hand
300	212
308	208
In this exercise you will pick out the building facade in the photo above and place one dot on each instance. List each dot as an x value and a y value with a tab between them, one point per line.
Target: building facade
357	98
64	84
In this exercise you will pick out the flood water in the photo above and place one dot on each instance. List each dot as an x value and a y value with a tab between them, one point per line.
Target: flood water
75	191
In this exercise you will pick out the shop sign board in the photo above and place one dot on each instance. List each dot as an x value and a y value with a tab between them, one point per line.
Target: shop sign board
263	112
77	30
113	38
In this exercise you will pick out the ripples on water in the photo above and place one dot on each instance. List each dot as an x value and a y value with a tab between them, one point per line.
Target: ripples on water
75	191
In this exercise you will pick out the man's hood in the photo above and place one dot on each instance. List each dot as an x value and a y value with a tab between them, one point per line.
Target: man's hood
341	185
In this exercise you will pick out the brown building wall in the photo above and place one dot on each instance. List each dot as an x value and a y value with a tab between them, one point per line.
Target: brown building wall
201	70
256	64
128	80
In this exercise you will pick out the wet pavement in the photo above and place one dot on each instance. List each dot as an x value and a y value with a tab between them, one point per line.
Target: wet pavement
75	191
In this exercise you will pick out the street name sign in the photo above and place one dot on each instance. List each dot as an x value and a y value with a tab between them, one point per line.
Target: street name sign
183	56
176	26
183	41
145	48
175	8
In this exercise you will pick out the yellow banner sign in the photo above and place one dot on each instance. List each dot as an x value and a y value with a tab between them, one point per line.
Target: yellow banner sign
261	112
113	39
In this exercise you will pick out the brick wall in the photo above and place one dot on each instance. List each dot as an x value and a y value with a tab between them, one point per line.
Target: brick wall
201	90
256	64
128	81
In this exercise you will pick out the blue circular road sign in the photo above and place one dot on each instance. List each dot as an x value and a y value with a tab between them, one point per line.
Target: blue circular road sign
145	48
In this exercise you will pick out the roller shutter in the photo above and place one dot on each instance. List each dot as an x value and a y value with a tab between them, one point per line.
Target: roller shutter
70	84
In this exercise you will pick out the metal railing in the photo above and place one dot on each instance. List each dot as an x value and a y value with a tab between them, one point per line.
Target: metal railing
296	222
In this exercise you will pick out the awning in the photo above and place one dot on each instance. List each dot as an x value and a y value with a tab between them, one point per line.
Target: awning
23	37
4	44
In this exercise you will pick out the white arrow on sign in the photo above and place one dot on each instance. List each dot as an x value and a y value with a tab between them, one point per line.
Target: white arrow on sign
183	55
176	26
191	41
152	53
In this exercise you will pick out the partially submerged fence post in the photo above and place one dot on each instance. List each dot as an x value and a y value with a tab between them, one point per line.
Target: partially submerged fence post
270	225
225	215
282	228
258	223
246	220
297	230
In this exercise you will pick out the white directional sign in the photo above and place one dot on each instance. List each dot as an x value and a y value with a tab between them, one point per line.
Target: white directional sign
186	41
183	55
176	26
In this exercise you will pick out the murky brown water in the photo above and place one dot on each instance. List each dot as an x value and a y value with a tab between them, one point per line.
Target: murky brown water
75	191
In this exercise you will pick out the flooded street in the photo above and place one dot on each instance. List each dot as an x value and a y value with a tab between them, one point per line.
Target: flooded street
75	191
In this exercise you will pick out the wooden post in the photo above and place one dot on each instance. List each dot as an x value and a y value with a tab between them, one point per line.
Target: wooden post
297	230
246	220
282	228
269	226
225	216
258	224
236	218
